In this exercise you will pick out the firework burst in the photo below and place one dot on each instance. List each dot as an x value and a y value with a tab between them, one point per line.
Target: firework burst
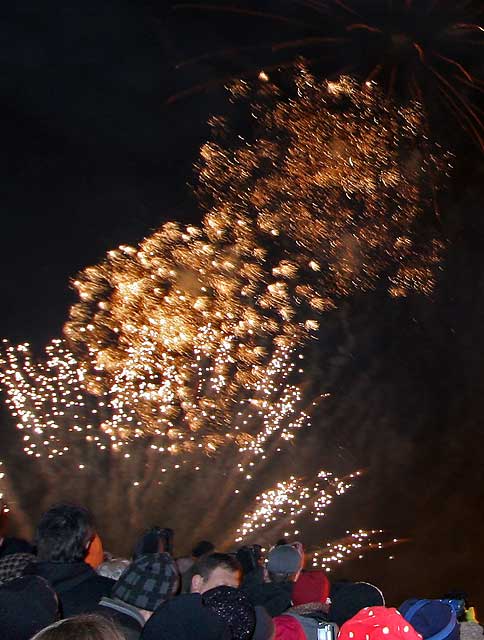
193	341
196	332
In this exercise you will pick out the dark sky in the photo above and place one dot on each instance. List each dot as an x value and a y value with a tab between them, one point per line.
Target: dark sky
95	157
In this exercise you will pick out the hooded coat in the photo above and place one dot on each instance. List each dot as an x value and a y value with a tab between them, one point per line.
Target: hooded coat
77	585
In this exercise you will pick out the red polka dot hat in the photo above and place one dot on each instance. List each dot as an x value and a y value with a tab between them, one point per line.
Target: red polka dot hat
378	623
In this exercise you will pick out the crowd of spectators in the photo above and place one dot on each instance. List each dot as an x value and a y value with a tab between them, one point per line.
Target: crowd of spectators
65	586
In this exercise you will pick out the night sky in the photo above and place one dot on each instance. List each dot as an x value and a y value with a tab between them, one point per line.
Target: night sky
96	157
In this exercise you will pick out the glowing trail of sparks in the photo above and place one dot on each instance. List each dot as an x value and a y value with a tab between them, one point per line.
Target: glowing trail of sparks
353	545
290	499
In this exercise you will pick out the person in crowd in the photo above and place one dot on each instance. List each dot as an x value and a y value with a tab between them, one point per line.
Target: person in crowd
310	597
350	597
155	540
9	545
27	605
233	607
147	582
283	568
185	618
252	562
433	619
186	565
471	630
311	592
63	537
216	570
264	625
13	565
288	628
82	627
378	623
113	568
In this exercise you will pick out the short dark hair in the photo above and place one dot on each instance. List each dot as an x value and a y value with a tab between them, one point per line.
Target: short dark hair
63	533
205	566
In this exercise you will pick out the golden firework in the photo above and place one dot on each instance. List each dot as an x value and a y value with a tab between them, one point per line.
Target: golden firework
324	197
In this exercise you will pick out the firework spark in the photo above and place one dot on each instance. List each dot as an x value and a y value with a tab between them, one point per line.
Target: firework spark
197	330
280	509
285	503
62	428
3	503
352	545
193	340
55	411
423	51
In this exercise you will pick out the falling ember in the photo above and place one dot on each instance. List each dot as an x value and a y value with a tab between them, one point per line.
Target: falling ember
47	400
55	412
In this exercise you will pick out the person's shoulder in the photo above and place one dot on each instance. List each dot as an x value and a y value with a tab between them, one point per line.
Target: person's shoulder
120	612
15	545
93	580
103	581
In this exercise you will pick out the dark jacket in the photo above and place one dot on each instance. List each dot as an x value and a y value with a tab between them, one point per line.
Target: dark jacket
78	586
185	617
253	578
126	617
275	597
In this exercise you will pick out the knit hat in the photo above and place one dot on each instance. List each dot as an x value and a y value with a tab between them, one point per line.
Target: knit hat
264	625
234	608
148	581
351	598
284	559
183	618
13	565
311	586
27	605
378	623
433	619
288	628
